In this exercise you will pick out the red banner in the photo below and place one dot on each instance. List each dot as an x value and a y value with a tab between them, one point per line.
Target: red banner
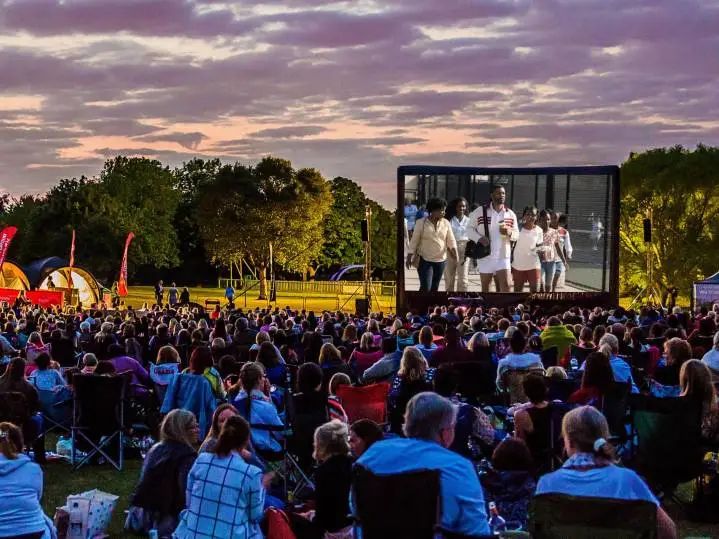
44	298
72	259
9	295
6	237
122	282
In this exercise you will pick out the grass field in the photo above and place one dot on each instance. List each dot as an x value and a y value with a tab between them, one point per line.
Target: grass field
138	295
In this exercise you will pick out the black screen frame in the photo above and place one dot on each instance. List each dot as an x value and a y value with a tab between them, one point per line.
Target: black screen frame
419	301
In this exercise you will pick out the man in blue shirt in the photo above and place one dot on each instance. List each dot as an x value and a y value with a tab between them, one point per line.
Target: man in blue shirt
230	294
429	427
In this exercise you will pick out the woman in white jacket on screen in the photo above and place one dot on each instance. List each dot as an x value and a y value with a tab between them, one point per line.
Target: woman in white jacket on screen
525	265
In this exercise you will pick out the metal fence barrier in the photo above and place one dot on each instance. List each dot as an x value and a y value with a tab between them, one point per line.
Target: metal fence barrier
383	293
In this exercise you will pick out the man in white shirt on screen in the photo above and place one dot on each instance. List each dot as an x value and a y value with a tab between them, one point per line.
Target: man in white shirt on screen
503	230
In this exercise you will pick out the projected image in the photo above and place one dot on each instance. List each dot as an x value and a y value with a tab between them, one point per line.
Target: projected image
508	232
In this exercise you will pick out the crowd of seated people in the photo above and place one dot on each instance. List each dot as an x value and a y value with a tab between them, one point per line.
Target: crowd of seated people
464	386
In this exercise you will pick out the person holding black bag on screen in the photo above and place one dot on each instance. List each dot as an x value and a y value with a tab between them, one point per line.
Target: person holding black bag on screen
495	226
432	242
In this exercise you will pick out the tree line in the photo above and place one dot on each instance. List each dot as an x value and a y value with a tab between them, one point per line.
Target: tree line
193	221
679	188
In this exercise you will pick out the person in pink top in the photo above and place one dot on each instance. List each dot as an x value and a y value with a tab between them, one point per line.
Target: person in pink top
365	355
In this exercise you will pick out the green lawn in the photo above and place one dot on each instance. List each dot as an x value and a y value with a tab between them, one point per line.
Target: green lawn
138	295
61	481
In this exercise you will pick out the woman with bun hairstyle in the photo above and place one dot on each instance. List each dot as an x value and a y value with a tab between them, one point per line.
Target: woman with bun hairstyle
591	471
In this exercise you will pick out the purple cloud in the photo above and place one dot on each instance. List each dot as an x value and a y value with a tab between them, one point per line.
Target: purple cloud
142	17
350	91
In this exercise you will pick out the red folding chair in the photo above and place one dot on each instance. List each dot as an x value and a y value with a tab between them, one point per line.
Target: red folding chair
365	402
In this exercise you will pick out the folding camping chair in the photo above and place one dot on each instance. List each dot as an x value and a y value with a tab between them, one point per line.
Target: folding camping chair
558	516
15	409
365	402
476	380
512	380
293	459
401	506
98	417
614	405
668	434
550	357
580	353
56	408
551	458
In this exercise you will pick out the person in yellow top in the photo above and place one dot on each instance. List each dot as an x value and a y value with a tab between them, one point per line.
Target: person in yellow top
433	240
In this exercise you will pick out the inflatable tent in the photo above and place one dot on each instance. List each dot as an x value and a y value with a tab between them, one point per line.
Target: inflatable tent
87	287
13	277
41	271
706	292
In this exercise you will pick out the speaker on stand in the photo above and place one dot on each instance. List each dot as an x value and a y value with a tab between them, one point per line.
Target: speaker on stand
647	230
362	306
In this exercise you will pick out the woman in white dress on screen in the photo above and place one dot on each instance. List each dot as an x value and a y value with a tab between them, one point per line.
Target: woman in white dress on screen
456	271
525	263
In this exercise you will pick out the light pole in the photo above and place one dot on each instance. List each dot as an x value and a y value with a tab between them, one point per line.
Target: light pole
367	239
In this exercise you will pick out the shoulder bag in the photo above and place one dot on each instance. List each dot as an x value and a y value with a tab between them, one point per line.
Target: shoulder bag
475	250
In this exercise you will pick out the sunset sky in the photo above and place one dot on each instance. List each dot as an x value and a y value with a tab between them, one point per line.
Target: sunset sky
351	88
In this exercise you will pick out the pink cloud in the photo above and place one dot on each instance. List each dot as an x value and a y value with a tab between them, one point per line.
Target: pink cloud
351	93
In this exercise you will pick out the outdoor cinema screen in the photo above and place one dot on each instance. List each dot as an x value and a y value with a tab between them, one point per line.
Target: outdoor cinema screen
549	230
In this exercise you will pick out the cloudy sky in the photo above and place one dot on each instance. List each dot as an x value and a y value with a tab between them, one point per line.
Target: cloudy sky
352	88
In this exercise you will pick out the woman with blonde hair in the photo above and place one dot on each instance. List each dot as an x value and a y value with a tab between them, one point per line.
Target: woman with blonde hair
365	355
396	326
414	376
478	340
333	478
160	494
590	470
479	346
695	381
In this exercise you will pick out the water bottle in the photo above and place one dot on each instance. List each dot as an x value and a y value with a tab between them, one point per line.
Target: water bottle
496	523
574	364
64	447
75	529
